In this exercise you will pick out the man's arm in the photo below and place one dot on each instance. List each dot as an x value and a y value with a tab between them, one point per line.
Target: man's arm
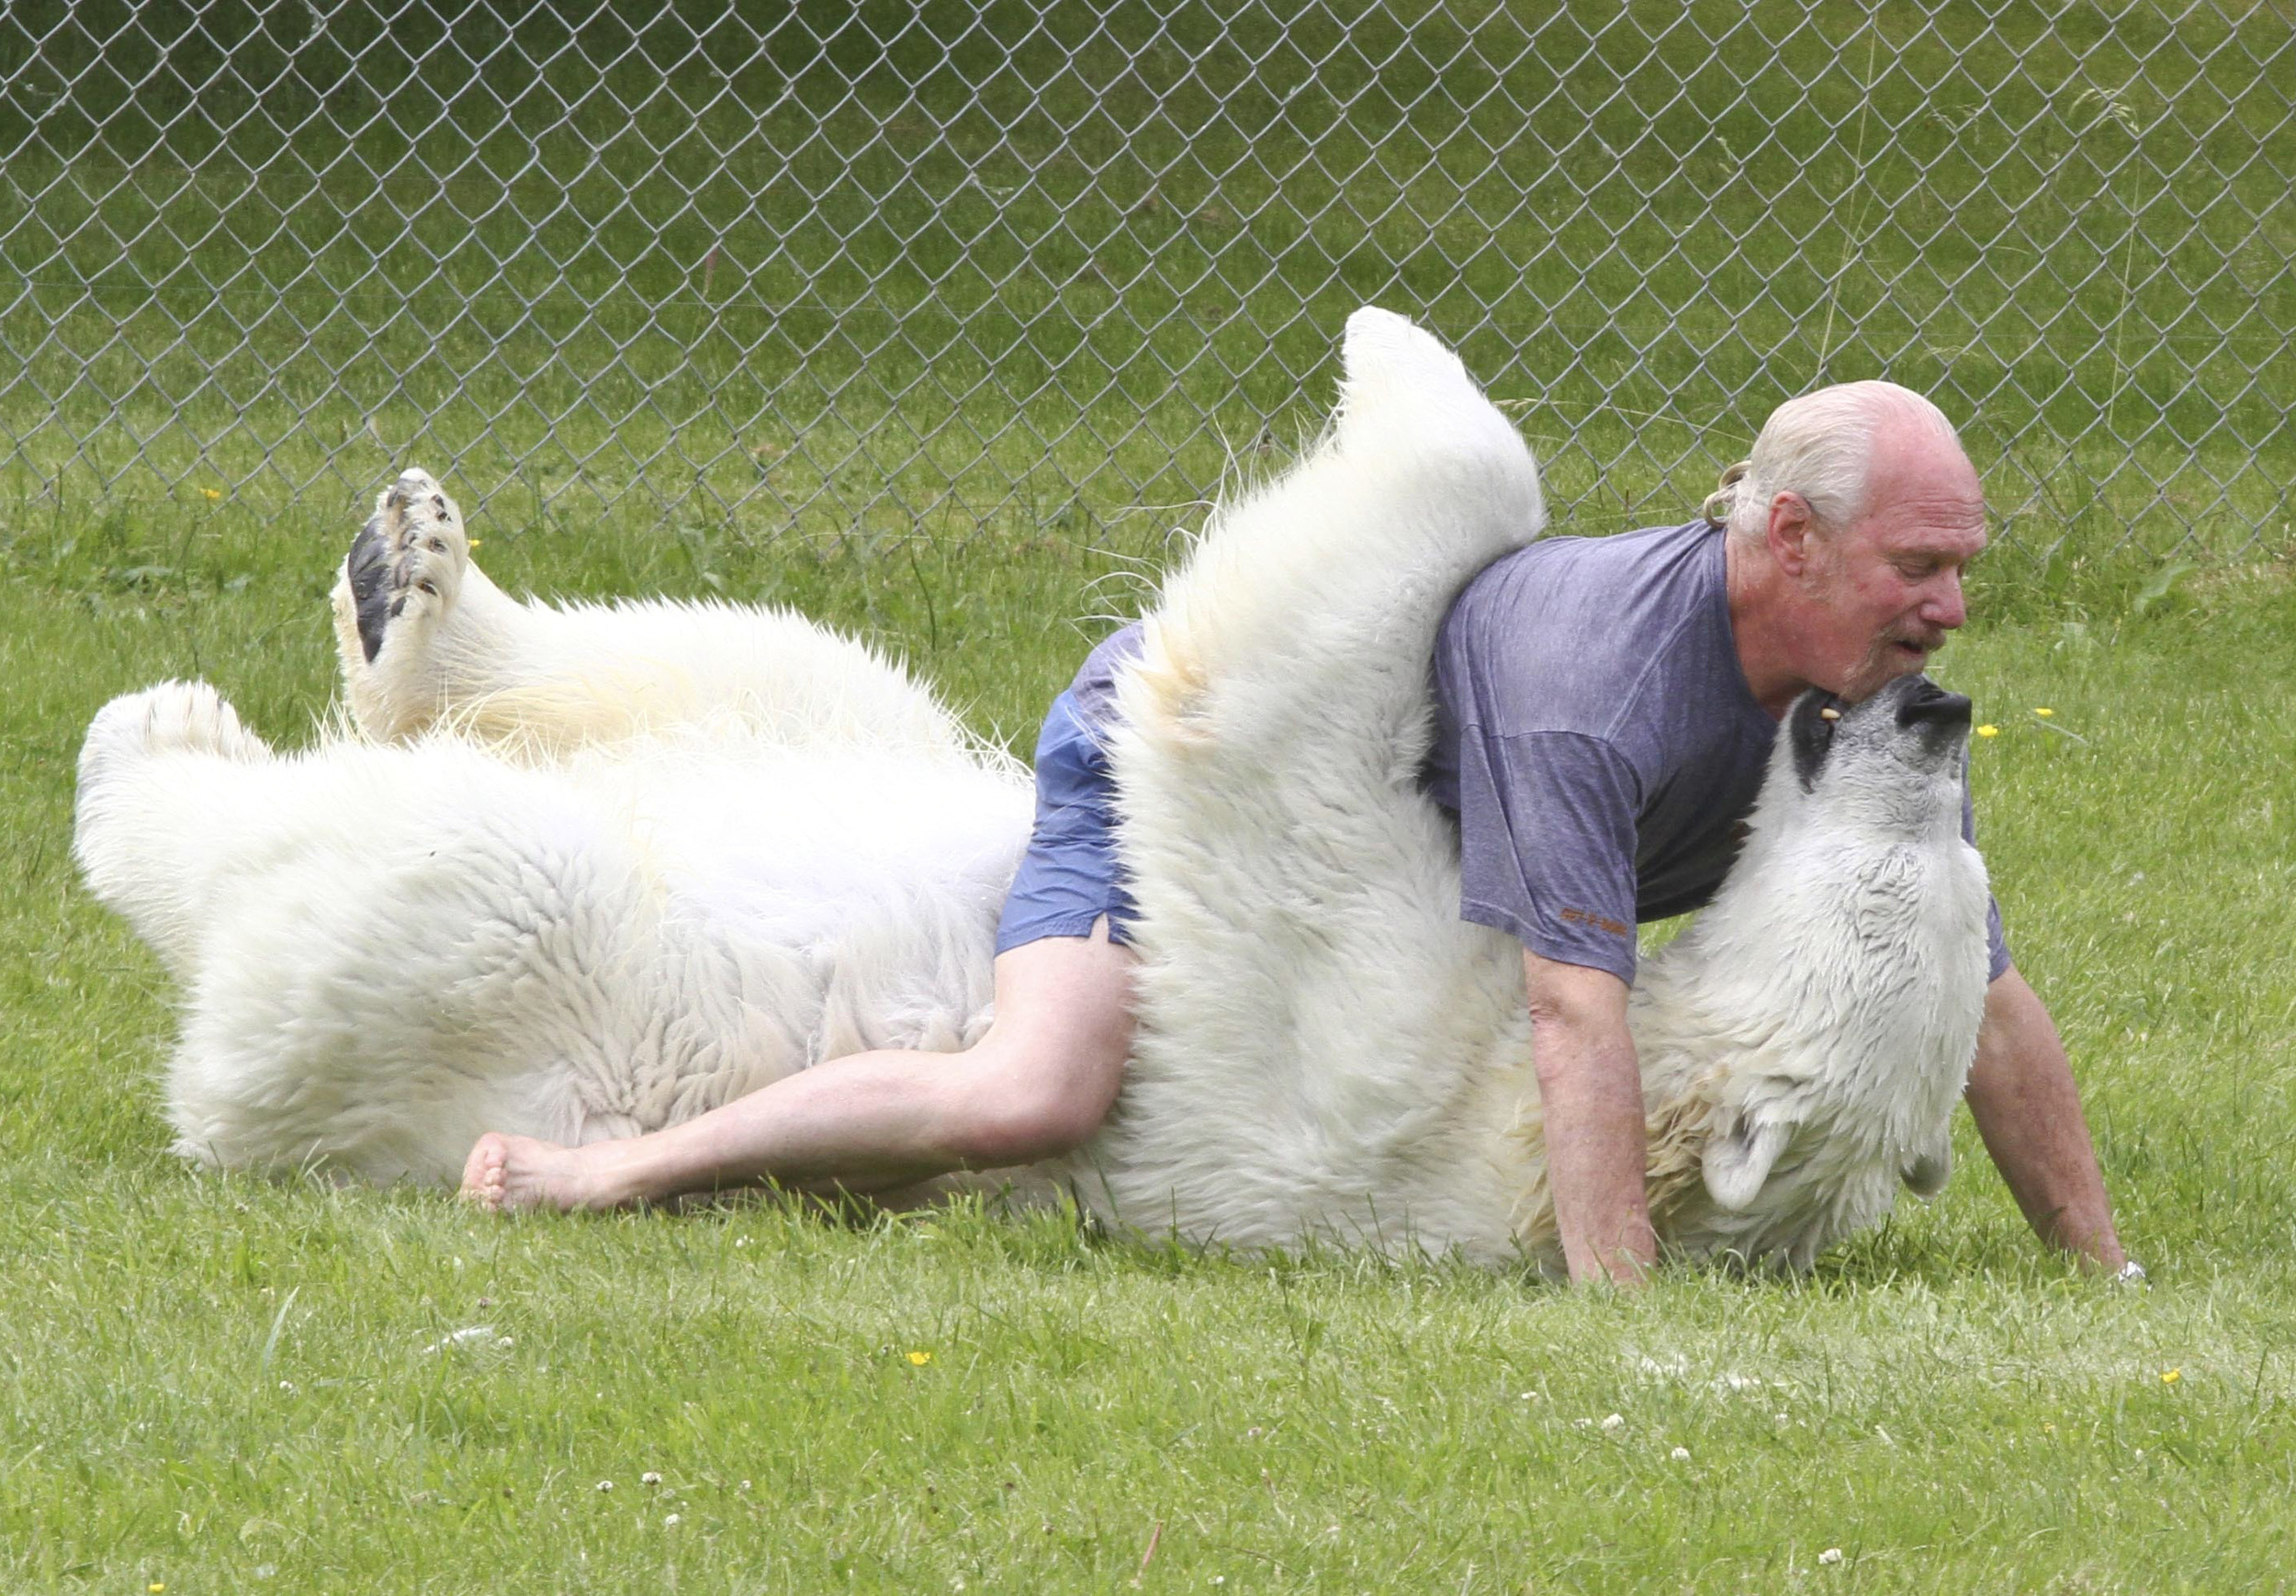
2028	1112
1591	1090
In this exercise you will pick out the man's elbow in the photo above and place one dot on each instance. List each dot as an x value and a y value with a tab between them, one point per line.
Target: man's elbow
1573	1006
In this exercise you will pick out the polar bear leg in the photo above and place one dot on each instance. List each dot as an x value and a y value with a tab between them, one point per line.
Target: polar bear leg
425	639
405	568
159	771
420	629
404	948
173	717
1324	1047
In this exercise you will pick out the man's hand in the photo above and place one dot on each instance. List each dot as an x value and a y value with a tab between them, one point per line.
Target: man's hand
1591	1090
2028	1112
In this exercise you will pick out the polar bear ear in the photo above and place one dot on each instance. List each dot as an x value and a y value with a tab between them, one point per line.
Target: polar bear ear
1737	1162
1925	1172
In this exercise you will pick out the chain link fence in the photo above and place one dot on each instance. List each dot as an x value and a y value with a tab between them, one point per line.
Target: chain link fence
982	268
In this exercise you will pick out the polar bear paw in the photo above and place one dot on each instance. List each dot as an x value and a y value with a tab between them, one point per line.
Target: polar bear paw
174	717
405	568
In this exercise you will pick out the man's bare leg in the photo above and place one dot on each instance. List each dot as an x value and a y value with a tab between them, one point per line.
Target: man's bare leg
1037	1085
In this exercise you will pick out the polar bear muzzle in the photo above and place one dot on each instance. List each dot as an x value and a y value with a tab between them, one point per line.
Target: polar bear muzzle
1818	722
1943	717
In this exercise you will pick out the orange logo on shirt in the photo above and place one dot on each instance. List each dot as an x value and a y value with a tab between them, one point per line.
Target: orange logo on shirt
1599	922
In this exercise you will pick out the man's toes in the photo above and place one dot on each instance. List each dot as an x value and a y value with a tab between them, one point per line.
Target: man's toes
486	1194
482	1171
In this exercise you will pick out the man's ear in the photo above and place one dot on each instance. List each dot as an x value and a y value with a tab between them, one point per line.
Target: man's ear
1789	534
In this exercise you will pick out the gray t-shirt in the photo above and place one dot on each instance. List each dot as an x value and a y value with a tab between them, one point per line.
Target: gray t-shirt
1594	734
1093	693
1597	740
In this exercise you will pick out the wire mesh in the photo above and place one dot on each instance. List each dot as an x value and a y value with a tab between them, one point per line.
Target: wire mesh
975	268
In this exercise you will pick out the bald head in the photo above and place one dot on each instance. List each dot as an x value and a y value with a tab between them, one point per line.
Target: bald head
1833	447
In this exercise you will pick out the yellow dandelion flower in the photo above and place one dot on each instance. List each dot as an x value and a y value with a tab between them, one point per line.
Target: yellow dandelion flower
213	494
1989	731
476	544
155	1588
2043	712
2170	1376
920	1358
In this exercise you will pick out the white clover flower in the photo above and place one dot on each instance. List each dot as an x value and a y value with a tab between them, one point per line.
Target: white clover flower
1680	1455
1830	1555
671	1523
1615	1421
649	1478
605	1485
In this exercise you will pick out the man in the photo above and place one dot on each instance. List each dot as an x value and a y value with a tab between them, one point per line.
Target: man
1607	709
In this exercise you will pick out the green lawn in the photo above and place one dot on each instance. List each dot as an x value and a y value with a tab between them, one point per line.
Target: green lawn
224	1383
948	368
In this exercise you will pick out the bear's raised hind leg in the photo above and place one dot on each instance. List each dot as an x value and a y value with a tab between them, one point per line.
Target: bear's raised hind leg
398	591
405	567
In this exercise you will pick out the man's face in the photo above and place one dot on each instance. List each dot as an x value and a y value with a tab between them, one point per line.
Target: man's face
1882	593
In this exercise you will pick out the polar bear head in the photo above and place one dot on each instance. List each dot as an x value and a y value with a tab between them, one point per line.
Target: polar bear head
1892	761
1857	913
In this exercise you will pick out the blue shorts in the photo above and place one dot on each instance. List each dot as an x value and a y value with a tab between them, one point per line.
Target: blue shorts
1070	877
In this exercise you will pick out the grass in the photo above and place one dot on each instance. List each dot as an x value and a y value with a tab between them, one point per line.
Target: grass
816	323
892	270
222	1384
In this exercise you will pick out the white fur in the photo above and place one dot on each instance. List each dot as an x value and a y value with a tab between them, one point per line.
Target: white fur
387	950
646	858
1326	1049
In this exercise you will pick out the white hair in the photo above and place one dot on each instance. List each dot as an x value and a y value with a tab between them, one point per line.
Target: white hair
1820	446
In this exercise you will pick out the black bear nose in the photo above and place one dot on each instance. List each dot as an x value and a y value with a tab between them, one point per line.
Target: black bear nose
1931	704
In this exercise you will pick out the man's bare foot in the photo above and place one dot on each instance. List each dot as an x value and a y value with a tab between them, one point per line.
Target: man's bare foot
511	1174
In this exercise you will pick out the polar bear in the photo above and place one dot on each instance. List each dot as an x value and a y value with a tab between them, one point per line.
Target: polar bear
582	871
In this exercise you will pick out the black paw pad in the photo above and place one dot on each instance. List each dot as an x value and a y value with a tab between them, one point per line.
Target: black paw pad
367	567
